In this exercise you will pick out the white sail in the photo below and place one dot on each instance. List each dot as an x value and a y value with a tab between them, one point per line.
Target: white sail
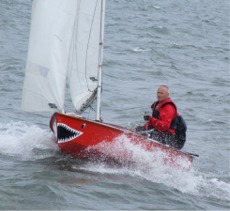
83	75
50	37
64	43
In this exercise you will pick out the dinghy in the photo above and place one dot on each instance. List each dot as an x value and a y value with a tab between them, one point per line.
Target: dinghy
66	49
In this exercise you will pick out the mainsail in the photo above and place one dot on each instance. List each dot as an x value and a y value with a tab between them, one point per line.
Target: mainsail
64	46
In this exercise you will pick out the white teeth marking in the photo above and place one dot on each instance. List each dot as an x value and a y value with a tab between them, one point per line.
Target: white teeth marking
75	132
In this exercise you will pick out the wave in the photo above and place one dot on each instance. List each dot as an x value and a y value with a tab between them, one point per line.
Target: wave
27	142
140	49
193	181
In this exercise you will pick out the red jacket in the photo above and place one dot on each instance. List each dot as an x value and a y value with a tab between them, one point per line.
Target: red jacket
166	114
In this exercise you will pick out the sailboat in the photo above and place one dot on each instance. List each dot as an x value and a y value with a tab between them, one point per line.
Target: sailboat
66	49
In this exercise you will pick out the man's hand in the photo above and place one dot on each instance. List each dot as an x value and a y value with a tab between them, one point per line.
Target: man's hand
139	128
146	117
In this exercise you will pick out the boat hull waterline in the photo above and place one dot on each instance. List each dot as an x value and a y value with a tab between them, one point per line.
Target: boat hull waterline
83	138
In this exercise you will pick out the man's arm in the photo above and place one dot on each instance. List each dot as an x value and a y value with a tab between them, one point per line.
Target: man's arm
167	114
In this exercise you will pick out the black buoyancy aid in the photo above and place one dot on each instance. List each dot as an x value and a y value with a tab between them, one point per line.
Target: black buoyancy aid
156	112
178	124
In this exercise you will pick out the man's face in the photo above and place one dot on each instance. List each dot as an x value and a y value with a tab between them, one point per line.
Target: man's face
162	93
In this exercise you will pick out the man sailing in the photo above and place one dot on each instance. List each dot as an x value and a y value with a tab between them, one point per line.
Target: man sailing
169	127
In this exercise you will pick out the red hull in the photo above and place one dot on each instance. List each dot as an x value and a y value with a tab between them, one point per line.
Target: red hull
84	138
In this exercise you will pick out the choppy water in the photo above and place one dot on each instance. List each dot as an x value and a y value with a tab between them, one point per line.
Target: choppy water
182	43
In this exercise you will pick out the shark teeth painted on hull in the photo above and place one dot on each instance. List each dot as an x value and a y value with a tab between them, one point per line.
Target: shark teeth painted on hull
66	133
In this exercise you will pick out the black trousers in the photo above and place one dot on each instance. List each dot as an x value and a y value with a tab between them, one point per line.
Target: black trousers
166	138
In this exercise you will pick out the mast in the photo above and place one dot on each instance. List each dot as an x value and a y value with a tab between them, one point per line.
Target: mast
100	59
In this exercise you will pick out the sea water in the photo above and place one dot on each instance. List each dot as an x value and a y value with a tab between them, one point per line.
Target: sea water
181	43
